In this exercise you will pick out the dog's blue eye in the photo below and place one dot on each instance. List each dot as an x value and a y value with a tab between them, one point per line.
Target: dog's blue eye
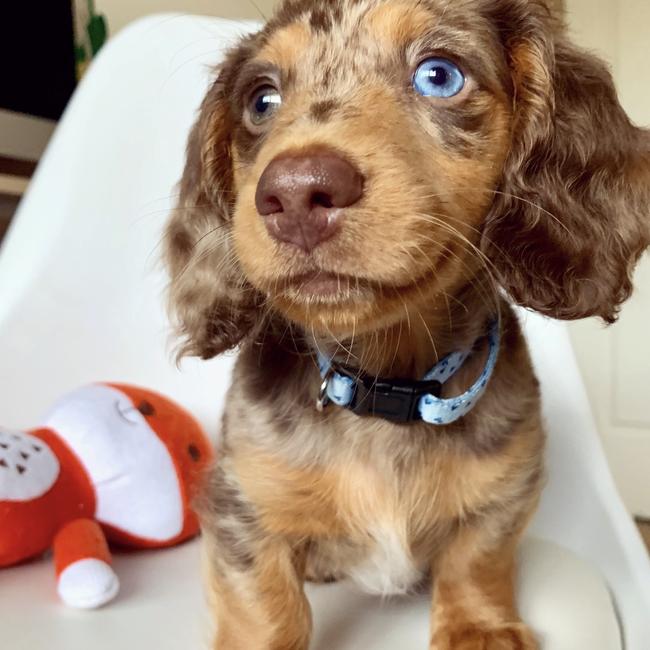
438	77
264	103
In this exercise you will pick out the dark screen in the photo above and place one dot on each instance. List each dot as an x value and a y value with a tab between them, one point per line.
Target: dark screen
37	68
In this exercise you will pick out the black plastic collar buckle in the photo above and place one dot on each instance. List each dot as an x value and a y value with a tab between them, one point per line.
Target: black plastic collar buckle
396	400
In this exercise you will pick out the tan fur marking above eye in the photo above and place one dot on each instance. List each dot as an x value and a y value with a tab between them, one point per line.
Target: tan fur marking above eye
399	24
286	46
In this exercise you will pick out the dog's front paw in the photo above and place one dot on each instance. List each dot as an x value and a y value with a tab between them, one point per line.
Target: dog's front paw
480	637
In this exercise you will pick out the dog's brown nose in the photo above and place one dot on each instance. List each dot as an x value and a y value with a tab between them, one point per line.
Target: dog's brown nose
302	196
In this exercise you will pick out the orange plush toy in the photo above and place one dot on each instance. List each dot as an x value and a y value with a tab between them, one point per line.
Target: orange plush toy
110	462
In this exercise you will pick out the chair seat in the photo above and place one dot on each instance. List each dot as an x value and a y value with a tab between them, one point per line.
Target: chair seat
161	606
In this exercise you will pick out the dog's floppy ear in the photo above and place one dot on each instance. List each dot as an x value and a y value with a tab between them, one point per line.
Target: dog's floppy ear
573	214
213	305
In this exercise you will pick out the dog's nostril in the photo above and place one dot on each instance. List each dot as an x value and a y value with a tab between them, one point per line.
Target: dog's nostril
322	199
272	205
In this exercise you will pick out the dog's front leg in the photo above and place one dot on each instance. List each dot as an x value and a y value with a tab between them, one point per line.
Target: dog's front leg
261	606
255	577
473	599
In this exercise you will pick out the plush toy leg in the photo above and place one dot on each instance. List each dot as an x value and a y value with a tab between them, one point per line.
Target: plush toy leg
85	578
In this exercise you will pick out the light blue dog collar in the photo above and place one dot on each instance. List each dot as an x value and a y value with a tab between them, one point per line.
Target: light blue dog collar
407	401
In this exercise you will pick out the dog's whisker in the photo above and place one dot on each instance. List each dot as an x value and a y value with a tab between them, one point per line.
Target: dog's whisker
491	301
509	195
397	347
480	256
259	11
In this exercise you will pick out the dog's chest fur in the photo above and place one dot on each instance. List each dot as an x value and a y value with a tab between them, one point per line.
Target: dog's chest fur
389	567
367	521
377	558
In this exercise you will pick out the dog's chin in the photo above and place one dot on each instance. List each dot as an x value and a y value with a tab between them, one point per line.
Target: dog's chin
325	303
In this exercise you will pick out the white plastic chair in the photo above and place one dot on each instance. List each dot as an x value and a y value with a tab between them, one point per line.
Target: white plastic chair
80	301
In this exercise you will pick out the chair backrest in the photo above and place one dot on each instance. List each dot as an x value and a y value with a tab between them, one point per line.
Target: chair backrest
81	284
81	287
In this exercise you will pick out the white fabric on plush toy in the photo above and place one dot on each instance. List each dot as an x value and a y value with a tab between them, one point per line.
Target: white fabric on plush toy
88	584
124	457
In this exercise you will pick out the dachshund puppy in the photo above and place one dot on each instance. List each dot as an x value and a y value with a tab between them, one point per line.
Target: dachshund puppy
367	180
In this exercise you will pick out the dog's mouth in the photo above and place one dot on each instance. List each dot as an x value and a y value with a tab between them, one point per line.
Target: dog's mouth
340	304
325	286
320	286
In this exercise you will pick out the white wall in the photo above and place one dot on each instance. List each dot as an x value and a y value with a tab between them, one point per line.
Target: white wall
121	12
615	362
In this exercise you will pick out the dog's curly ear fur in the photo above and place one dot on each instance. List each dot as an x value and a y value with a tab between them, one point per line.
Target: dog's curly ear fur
213	305
573	215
